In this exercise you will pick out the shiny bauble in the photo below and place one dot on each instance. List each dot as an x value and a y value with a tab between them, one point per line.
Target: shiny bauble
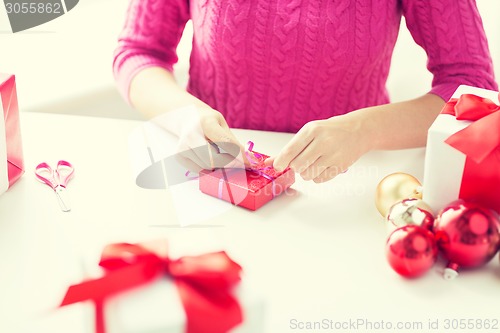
395	187
467	234
408	212
411	250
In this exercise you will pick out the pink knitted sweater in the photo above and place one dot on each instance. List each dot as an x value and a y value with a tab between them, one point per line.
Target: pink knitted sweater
275	65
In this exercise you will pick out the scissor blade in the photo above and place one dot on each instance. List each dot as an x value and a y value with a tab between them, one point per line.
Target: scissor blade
62	198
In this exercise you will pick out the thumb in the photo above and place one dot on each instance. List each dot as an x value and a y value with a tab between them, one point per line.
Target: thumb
217	134
225	140
269	161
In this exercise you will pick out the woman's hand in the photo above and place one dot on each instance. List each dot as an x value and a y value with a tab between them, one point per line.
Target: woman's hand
204	138
322	149
206	141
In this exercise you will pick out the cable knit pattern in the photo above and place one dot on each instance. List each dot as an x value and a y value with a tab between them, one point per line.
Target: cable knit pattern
278	64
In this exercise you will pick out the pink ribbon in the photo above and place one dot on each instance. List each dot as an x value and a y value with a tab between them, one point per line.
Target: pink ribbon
257	166
257	161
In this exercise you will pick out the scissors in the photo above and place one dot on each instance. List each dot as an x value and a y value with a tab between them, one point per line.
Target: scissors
57	179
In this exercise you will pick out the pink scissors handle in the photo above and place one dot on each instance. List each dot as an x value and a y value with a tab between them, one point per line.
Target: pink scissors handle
57	179
43	169
44	172
64	177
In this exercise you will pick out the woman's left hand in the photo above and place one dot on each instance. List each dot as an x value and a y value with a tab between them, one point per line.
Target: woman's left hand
322	149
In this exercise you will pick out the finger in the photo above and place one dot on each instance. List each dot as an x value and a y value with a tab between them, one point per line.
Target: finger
194	146
309	156
227	147
314	170
188	164
225	127
221	135
268	162
208	157
291	150
212	150
226	161
328	174
198	155
204	155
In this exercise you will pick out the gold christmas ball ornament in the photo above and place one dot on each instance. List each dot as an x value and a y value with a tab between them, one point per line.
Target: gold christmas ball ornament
396	187
410	211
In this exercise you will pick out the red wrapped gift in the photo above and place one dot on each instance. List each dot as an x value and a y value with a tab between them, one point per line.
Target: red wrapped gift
250	188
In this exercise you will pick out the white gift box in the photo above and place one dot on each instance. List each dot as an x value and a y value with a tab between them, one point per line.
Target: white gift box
445	165
156	307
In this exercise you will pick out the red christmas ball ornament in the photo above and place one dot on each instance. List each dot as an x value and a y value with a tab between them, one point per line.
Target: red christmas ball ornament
467	234
410	211
411	250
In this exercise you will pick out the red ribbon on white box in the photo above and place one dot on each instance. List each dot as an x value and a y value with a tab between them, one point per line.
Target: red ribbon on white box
480	142
204	284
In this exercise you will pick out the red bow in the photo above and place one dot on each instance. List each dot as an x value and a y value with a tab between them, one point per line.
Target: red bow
481	138
204	284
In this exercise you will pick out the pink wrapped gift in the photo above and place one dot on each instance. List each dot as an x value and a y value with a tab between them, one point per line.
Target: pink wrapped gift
249	188
11	152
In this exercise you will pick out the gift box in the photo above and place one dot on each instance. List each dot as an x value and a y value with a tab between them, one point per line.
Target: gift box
11	153
250	188
462	158
142	290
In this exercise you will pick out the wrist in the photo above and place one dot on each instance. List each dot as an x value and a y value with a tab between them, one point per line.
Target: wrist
365	130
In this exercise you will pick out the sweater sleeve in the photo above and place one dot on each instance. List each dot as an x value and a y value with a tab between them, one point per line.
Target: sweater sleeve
150	36
451	33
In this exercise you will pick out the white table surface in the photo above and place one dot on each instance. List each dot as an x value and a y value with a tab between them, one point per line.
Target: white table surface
316	254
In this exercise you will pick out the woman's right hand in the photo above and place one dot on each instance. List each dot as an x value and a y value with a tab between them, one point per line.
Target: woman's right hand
204	138
206	141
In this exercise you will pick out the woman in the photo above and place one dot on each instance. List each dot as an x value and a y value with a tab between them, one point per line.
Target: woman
314	67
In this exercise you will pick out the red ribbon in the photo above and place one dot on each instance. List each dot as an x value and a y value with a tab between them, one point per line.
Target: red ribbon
204	284
481	138
480	142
